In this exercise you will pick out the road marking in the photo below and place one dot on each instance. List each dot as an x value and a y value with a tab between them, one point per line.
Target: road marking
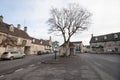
39	63
1	76
19	70
97	64
102	73
31	65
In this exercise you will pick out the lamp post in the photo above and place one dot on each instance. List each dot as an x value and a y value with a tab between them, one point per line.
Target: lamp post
55	47
55	54
55	51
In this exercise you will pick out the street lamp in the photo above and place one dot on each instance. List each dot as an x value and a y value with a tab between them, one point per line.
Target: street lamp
55	51
55	48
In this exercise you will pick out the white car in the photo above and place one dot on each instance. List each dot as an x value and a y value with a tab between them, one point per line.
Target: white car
12	55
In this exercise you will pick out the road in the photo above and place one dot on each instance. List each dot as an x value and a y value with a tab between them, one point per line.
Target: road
107	66
10	66
80	67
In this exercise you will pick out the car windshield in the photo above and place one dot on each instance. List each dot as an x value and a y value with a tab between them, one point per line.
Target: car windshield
5	53
14	52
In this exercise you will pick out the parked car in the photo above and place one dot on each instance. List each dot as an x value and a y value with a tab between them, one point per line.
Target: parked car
12	55
40	53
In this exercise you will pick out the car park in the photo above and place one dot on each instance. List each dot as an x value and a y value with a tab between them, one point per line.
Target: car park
12	55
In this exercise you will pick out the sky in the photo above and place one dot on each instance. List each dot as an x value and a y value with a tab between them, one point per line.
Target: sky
35	13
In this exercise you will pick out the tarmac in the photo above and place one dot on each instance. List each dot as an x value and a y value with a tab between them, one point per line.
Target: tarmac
78	67
63	68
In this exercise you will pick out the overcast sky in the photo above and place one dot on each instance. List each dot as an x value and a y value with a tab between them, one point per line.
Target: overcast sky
35	13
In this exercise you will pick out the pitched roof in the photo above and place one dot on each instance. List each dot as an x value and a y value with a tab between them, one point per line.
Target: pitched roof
77	42
4	28
70	44
45	42
109	37
35	41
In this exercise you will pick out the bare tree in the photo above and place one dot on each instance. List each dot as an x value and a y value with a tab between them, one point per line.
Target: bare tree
68	21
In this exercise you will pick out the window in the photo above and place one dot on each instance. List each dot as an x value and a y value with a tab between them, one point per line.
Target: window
33	40
0	41
19	41
105	37
114	43
40	42
115	36
11	28
96	38
24	42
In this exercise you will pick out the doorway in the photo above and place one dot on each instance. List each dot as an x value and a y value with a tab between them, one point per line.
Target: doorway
27	50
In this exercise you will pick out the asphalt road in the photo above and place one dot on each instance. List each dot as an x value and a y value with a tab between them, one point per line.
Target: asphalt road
106	66
10	66
81	67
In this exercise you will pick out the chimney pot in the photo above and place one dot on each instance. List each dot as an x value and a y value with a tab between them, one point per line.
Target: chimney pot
91	35
25	28
18	26
1	19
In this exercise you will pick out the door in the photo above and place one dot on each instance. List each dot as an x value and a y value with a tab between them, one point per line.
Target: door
71	51
27	50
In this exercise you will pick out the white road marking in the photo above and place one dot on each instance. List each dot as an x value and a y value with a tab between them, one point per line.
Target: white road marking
19	70
97	64
39	63
1	76
31	65
103	74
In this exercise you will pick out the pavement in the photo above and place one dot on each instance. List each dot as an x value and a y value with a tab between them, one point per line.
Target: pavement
78	67
70	68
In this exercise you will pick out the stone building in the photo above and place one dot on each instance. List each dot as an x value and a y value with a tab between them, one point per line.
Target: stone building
78	46
15	39
48	47
109	43
36	46
62	49
86	49
75	48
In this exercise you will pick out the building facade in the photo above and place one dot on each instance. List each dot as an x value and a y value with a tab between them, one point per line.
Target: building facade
86	49
48	47
109	43
74	48
63	50
36	46
78	46
15	39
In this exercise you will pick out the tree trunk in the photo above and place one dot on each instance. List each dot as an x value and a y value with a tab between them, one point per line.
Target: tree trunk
67	48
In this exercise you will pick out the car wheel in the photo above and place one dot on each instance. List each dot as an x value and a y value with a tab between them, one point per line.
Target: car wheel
11	58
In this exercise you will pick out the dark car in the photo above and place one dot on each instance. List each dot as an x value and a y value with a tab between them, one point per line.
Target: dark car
40	53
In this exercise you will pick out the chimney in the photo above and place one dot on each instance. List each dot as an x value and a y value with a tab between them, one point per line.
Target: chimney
91	35
50	38
18	26
25	29
1	19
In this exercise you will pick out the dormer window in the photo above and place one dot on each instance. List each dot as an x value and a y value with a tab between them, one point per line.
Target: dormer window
115	36
11	28
96	38
105	37
40	42
33	40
